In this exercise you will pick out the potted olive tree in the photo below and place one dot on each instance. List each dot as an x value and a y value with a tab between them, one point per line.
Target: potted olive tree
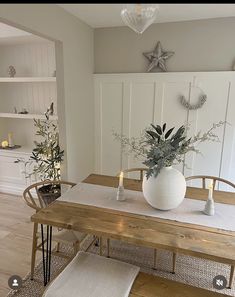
46	158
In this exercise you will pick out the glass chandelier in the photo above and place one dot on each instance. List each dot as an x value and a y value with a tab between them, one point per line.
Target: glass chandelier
139	16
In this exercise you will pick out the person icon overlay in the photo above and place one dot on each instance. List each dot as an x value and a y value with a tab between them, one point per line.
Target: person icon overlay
15	283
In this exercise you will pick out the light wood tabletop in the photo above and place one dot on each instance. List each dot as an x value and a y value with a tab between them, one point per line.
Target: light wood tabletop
188	239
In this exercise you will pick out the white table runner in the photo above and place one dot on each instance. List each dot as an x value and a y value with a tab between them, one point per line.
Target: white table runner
190	211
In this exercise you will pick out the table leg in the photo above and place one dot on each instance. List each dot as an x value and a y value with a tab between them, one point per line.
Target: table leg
49	251
46	253
174	263
155	259
231	277
108	247
34	249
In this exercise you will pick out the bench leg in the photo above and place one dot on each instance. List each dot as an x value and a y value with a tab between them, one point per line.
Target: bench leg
155	259
101	245
108	247
96	241
174	263
58	247
76	247
34	249
231	276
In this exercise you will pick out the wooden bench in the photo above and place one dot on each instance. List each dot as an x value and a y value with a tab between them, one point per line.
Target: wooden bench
147	285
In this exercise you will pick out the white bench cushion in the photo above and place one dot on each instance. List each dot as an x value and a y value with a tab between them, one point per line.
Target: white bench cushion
90	275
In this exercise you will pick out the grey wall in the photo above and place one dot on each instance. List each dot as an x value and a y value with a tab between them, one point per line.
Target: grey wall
204	45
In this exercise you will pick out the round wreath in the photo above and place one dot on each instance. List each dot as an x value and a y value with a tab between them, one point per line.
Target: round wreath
201	101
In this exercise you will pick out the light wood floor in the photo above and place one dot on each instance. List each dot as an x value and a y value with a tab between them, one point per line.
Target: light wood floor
15	239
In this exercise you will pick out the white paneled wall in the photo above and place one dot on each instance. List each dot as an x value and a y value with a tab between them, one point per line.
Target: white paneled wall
128	103
228	156
23	132
140	111
109	117
217	91
29	59
35	97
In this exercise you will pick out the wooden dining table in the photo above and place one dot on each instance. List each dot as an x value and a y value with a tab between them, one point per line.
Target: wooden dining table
157	233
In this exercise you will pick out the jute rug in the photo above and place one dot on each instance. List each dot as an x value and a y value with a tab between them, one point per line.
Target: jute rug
189	270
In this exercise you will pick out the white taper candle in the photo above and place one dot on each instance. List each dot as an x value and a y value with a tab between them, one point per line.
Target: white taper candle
121	179
210	194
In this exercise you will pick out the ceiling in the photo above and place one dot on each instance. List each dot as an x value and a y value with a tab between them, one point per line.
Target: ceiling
9	31
10	35
108	15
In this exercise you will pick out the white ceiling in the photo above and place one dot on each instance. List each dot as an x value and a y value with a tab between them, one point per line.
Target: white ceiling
10	35
108	15
9	31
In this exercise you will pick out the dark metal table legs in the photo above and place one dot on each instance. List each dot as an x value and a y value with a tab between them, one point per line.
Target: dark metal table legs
46	253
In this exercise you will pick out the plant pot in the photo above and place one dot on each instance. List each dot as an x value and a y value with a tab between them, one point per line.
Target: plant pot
166	191
49	193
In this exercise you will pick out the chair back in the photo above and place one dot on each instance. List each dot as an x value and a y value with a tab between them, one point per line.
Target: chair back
215	179
140	170
34	198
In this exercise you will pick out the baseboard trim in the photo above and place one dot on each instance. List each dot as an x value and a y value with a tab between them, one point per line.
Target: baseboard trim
7	189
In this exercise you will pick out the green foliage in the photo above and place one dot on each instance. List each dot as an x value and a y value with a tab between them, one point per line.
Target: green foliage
159	147
163	149
47	153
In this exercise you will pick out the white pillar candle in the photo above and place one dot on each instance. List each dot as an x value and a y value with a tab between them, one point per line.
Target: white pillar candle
10	140
121	179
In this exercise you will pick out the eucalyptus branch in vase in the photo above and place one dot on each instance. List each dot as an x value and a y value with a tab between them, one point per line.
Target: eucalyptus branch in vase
159	147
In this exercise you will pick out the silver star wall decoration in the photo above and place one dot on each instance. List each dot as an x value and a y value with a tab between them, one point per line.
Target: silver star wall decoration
158	57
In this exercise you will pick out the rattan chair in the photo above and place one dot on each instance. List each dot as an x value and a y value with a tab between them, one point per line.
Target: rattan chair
140	170
216	180
35	200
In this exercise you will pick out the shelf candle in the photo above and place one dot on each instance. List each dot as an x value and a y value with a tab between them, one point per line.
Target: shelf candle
10	140
210	193
121	179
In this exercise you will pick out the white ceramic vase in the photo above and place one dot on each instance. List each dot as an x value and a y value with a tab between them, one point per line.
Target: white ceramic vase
167	190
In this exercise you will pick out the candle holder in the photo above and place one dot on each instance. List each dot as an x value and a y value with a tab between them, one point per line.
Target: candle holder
209	207
120	194
210	204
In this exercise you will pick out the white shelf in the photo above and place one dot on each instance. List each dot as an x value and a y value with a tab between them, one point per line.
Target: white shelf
27	79
27	116
21	150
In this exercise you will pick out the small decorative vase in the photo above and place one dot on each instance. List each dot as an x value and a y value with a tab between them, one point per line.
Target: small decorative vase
167	190
120	194
11	71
